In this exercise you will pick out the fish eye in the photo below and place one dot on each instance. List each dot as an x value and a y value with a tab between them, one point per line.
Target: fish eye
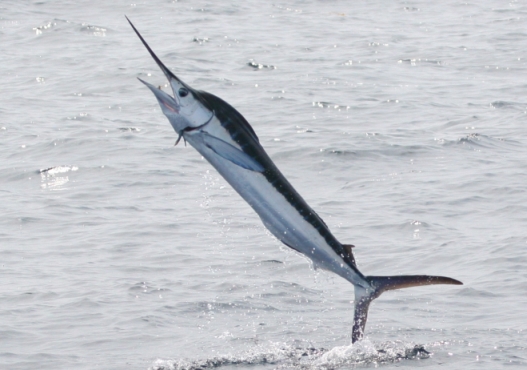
183	92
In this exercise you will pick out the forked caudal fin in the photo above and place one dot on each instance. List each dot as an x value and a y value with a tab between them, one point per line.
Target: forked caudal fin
380	284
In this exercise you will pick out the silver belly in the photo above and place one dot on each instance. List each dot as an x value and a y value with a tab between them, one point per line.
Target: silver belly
277	214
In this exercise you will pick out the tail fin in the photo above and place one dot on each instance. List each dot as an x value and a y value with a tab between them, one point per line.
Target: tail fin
380	284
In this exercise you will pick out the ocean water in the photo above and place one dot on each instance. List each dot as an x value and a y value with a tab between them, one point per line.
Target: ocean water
403	124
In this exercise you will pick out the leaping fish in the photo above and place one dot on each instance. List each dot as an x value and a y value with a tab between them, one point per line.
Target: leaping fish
225	138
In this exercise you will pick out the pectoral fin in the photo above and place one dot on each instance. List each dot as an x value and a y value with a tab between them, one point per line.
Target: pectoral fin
230	153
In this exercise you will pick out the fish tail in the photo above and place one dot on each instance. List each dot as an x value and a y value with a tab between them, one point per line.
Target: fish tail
380	284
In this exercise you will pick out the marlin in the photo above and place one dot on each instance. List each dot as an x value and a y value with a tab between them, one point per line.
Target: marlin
228	142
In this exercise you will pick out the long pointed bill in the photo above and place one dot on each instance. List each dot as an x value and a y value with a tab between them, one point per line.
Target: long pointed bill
169	75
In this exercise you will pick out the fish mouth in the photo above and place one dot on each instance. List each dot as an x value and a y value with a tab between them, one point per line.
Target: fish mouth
169	105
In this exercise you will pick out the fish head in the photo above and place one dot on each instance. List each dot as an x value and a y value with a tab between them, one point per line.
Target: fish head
186	109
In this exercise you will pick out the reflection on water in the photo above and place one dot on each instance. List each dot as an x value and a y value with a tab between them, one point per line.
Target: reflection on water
54	178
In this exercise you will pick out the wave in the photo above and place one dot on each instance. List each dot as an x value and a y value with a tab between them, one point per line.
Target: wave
282	356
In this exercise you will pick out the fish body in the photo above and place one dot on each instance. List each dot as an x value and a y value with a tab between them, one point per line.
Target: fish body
228	142
282	210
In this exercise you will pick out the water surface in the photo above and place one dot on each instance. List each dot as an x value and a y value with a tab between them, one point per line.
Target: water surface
403	125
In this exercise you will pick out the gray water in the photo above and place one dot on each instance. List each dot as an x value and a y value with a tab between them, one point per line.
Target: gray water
403	124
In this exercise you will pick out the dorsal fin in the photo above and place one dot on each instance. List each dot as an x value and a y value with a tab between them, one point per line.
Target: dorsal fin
348	255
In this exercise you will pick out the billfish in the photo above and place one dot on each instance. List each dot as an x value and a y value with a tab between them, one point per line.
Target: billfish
228	142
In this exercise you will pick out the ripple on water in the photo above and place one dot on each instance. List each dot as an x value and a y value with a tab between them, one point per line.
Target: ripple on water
284	356
63	24
55	178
